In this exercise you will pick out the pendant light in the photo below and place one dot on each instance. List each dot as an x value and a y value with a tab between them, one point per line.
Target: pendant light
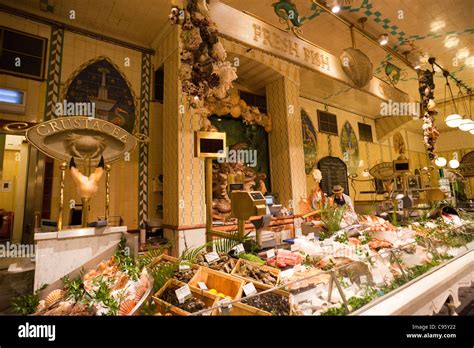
453	120
440	162
467	124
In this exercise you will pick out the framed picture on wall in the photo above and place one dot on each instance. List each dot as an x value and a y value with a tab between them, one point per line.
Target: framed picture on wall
414	182
399	184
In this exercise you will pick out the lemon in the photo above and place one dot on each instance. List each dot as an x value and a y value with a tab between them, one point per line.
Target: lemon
229	297
221	294
213	291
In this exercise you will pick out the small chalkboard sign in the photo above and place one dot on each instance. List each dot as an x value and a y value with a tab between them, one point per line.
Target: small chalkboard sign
334	172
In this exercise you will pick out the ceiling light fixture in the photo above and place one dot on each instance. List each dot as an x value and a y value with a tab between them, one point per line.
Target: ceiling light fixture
453	164
383	39
470	61
466	125
453	120
462	53
440	161
437	25
335	7
451	41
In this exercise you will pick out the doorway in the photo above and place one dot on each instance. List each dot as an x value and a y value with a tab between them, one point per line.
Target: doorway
13	180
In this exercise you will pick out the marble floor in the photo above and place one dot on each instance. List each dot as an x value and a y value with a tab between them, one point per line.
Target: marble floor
13	284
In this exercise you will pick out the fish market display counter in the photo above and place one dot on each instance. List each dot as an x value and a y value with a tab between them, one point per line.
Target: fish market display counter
427	295
59	253
279	229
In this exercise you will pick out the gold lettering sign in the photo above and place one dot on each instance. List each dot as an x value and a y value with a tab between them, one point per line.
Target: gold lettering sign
273	40
256	33
81	138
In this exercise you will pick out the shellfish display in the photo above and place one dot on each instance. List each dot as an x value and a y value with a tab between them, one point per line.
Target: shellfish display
260	274
110	289
54	296
225	264
127	306
274	303
191	305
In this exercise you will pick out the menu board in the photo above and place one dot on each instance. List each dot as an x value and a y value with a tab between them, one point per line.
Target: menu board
334	172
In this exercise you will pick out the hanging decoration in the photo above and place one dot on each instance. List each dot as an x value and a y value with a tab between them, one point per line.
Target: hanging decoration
204	71
288	13
237	108
206	77
357	66
426	89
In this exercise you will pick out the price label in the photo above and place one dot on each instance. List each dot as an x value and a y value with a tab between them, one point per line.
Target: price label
249	289
363	279
270	254
239	248
184	266
310	236
183	293
202	285
287	273
294	247
225	305
212	257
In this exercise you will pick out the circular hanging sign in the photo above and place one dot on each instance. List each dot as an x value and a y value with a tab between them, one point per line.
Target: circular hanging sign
383	171
81	137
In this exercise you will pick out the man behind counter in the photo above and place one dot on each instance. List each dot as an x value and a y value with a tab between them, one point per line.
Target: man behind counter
339	198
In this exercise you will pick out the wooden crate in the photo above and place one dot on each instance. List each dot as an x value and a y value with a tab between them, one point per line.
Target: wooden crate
221	281
274	271
163	307
263	287
209	299
241	309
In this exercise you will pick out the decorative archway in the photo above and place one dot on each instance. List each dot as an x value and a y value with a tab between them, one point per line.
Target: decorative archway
101	82
309	142
349	147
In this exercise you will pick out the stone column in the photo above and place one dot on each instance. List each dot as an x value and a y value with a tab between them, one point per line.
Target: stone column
285	142
183	195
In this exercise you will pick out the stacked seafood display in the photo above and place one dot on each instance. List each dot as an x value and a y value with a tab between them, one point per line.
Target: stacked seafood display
334	274
364	260
108	289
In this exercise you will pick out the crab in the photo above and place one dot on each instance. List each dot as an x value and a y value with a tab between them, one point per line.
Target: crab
85	146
